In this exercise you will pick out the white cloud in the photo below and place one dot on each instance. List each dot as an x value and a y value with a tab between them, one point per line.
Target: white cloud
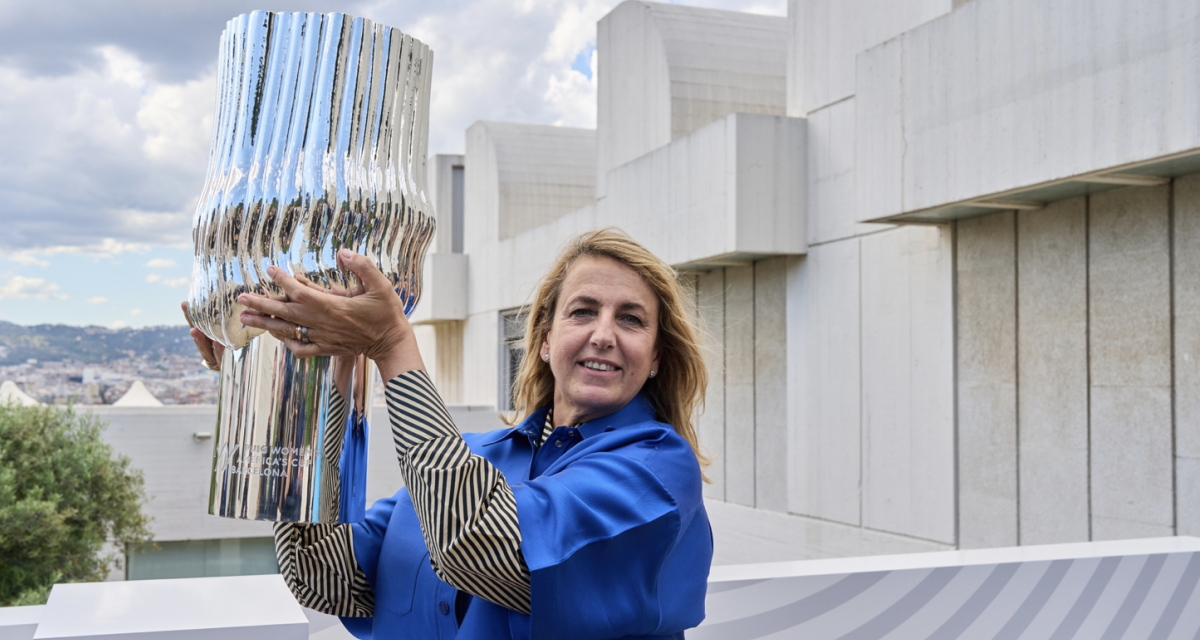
177	282
21	288
153	277
106	112
177	120
119	324
161	263
135	312
97	300
29	260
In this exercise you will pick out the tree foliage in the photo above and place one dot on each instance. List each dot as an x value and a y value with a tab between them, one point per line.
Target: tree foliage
63	494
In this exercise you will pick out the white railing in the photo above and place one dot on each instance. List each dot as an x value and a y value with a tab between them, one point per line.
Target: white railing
1120	589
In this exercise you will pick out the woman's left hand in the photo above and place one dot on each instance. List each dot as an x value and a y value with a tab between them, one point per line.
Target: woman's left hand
369	320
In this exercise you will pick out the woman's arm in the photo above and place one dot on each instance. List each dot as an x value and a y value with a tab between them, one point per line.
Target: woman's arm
467	511
317	562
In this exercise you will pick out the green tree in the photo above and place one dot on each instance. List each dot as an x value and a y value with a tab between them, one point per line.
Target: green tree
63	494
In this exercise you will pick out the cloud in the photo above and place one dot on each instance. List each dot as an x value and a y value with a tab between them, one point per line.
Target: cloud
107	107
161	263
97	300
119	324
21	288
29	260
153	277
177	282
135	312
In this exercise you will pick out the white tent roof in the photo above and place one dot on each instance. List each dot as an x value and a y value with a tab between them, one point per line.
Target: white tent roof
138	396
9	392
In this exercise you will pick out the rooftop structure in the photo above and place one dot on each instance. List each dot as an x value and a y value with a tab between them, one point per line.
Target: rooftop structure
10	393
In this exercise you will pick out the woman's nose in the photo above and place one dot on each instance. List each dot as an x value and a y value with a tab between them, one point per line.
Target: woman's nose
604	331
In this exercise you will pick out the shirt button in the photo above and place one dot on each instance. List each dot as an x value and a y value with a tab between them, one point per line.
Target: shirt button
444	607
558	443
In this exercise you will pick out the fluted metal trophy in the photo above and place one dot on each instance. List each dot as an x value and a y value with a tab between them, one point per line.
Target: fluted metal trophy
319	143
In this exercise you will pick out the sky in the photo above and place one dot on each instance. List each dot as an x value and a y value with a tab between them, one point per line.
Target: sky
106	109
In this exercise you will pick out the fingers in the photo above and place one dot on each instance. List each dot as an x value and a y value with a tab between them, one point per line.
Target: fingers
296	290
283	330
183	305
205	346
369	276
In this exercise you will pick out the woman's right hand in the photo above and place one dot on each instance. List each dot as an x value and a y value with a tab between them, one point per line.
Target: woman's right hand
210	351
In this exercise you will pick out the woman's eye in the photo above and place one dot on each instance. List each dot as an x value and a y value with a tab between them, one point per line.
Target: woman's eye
581	312
633	320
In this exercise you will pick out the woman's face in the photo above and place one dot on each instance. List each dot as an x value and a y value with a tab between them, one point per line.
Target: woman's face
602	341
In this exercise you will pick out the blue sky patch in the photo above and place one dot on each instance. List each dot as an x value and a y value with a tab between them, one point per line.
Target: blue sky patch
583	61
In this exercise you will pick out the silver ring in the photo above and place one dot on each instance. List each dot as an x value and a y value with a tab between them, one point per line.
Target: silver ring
303	334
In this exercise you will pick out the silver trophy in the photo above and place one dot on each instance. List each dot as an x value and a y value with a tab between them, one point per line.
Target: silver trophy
319	143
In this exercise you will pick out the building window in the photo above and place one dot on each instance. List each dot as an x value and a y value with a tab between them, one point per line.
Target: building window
202	559
457	193
512	350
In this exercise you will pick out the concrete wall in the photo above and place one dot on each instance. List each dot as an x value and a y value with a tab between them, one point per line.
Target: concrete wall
659	77
1075	377
999	95
525	175
828	34
177	468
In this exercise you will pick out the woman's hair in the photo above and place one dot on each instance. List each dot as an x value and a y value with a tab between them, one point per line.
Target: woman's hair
677	392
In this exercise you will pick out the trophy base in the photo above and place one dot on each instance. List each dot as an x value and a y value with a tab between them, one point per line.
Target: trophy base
281	424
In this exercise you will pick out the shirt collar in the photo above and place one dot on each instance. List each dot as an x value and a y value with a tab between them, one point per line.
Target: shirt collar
634	411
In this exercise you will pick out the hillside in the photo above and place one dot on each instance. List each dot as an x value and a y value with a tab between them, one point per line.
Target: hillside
90	345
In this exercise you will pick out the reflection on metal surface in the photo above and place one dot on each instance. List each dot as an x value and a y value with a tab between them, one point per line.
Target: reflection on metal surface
319	143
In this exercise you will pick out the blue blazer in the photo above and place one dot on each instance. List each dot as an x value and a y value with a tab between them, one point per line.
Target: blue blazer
613	530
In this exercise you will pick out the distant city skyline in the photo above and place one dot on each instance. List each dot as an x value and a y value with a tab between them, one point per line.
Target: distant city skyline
107	110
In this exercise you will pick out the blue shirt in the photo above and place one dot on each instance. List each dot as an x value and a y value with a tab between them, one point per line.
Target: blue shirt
613	531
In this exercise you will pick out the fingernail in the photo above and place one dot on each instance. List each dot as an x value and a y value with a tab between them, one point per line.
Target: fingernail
346	254
271	271
243	299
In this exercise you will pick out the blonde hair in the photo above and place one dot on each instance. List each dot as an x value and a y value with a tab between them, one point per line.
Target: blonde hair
677	393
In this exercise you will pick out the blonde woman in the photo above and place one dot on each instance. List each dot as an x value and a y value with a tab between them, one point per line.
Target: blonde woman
583	519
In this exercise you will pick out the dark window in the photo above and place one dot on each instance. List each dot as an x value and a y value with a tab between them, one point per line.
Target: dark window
457	189
202	559
512	351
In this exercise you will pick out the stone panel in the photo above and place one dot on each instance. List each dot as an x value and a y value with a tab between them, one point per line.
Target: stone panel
826	461
1053	372
739	385
987	381
1130	362
1131	463
770	384
908	385
710	294
1186	263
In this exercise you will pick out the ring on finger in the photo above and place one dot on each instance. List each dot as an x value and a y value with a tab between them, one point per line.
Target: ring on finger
298	332
304	335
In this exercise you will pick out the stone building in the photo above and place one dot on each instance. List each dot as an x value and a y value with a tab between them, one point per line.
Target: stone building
946	254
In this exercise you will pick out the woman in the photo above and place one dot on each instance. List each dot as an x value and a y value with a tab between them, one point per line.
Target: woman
584	520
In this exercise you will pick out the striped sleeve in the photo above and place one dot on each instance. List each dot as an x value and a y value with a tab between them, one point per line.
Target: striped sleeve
331	452
317	563
467	511
317	560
